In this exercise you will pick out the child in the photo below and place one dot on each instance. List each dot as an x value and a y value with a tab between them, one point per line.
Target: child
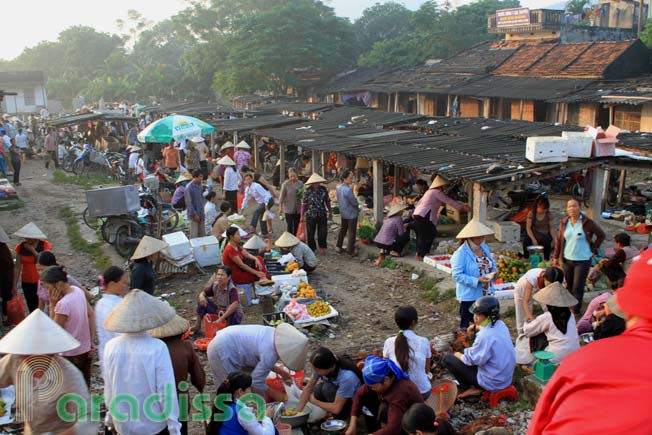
420	419
615	268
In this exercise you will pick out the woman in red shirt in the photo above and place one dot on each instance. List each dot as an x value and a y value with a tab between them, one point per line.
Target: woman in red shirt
234	256
34	243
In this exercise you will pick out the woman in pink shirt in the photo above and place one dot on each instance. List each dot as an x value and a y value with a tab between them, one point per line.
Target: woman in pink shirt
70	309
426	215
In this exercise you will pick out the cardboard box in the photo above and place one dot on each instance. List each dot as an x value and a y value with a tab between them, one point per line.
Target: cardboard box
459	216
206	250
179	245
579	144
507	231
546	149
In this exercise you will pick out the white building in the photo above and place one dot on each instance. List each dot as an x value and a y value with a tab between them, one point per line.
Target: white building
29	87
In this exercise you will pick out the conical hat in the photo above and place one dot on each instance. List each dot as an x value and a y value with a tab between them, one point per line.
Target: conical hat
396	208
197	139
226	161
315	178
438	182
226	146
615	308
243	145
443	396
138	312
555	295
287	240
135	148
183	177
291	346
148	245
37	334
4	238
31	231
177	326
475	228
255	243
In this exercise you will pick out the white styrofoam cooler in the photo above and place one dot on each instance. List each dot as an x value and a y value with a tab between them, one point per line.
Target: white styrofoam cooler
546	149
179	245
280	279
578	144
507	231
206	251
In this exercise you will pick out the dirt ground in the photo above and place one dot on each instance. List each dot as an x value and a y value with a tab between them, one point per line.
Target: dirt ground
365	296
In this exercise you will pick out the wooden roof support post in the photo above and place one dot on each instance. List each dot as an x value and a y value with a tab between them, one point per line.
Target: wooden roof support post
595	200
313	161
479	203
257	154
235	138
377	166
281	156
324	161
397	175
212	145
621	186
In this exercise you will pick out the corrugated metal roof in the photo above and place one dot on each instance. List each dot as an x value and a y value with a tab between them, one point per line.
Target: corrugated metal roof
255	123
85	117
296	107
530	88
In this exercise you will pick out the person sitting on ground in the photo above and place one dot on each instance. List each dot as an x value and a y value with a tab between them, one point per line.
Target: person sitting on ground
210	211
219	297
585	324
614	371
387	394
222	222
615	267
333	385
178	197
611	322
44	260
488	365
392	237
241	418
143	275
289	244
411	352
420	419
557	324
234	256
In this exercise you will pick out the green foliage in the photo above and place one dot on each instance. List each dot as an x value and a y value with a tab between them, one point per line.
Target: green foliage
85	183
646	34
366	232
389	263
575	7
382	22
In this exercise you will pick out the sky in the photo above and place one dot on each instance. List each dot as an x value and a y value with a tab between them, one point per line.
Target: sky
48	18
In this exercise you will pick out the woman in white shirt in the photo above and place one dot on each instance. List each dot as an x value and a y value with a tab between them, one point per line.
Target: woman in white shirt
242	418
558	323
410	351
526	286
210	211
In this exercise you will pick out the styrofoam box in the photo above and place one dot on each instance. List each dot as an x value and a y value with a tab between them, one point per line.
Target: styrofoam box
206	251
605	147
579	144
507	231
546	149
280	279
432	260
179	245
443	266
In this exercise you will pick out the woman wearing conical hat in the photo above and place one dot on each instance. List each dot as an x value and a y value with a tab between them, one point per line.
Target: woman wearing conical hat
34	242
392	237
32	358
289	244
242	155
426	214
143	275
473	268
315	211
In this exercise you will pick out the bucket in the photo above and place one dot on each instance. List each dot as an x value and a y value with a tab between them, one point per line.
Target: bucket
240	198
284	429
211	326
275	381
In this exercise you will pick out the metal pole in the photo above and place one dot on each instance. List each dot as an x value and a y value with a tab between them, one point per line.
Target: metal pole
281	156
397	174
595	200
323	164
313	161
621	186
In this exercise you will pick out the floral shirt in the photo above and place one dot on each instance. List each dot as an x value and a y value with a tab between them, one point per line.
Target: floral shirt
241	158
316	202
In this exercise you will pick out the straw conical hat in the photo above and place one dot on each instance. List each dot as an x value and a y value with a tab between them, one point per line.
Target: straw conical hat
361	163
615	308
287	240
243	145
177	326
475	228
443	396
138	312
438	182
555	295
315	178
148	245
183	177
135	148
291	346
37	335
31	231
396	208
226	161
226	146
254	243
4	238
197	139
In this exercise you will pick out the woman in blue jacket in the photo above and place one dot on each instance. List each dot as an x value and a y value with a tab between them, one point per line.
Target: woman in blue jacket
473	268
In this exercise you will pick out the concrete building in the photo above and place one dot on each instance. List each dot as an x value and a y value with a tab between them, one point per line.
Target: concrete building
29	87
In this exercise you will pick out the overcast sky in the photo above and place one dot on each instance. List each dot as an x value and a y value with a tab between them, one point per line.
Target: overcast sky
32	21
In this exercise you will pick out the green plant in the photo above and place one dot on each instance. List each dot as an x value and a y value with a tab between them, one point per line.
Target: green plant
78	243
11	204
366	232
84	182
389	263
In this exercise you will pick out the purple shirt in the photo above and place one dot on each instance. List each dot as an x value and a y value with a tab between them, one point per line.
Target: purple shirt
194	201
391	229
584	324
241	158
178	194
432	201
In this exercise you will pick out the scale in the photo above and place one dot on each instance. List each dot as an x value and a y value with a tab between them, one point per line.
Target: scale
543	367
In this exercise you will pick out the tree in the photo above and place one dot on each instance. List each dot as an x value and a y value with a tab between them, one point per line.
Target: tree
382	22
575	7
646	34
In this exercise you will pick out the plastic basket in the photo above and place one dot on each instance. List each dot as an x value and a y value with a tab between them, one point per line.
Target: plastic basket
275	381
272	317
211	326
284	429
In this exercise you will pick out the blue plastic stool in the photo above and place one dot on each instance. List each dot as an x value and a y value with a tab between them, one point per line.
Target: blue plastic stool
248	290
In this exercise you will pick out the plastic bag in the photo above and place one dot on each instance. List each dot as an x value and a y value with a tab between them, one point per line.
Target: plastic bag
294	393
15	310
301	234
523	355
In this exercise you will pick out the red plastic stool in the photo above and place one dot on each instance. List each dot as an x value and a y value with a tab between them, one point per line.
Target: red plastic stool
494	397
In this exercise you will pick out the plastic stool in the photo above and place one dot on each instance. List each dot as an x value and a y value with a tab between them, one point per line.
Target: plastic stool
248	290
494	397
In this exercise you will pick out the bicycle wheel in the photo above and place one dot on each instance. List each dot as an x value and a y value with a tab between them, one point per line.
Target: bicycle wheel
123	244
66	164
91	222
169	219
109	228
78	167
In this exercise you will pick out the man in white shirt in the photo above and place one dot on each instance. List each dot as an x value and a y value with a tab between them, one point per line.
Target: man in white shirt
264	199
21	139
139	366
